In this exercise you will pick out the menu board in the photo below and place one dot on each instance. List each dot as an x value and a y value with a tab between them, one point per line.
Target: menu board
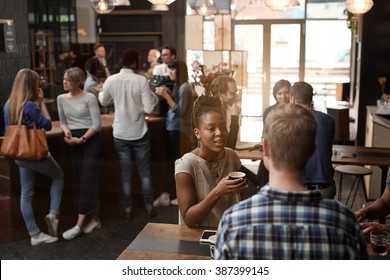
7	36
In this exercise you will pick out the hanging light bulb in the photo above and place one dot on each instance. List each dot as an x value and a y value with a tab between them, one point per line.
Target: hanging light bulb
277	5
205	7
161	5
359	7
103	6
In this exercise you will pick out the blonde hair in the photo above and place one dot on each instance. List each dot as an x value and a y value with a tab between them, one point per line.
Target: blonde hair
156	53
24	88
76	75
290	130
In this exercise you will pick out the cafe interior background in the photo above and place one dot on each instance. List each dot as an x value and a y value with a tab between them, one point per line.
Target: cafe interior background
314	40
318	41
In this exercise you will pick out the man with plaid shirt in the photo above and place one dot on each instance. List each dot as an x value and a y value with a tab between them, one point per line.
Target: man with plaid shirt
285	220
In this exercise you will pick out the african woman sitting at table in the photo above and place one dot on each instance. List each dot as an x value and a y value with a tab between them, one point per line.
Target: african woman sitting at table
203	189
377	210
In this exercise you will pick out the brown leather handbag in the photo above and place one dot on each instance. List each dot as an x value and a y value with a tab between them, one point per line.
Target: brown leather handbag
24	143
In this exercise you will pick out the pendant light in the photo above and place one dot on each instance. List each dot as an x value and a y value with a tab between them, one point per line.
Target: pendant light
205	7
359	7
277	5
103	6
161	5
123	3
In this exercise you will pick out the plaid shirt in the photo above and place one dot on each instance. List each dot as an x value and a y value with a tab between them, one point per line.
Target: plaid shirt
276	224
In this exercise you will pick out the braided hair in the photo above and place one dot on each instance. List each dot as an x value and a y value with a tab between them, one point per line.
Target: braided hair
203	105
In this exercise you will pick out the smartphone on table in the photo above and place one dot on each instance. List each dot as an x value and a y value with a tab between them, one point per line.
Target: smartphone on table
205	236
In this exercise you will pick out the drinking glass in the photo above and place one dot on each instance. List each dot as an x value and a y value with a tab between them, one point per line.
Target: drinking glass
380	241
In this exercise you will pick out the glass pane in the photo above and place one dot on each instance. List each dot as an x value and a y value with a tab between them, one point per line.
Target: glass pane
327	63
332	9
256	9
194	32
285	45
250	38
208	35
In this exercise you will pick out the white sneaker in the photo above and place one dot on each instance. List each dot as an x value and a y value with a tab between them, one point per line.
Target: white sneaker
174	201
92	225
43	238
52	224
72	233
162	200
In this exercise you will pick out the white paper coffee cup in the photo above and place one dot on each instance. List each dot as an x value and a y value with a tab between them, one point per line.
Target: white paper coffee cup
236	175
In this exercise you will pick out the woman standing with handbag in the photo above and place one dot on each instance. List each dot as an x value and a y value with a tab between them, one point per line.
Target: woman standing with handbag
80	121
27	96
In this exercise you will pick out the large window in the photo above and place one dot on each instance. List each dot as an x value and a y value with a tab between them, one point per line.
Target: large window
308	41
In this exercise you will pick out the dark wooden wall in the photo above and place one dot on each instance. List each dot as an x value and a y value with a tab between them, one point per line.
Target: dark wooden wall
11	63
375	59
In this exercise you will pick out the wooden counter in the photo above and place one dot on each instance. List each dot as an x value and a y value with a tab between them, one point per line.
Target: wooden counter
11	223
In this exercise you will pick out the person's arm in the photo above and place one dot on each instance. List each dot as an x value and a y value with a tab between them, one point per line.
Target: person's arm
39	113
379	209
105	95
146	95
165	92
63	123
193	211
94	112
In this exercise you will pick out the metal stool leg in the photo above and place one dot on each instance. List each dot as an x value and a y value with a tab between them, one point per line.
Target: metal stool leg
364	188
356	190
350	191
340	184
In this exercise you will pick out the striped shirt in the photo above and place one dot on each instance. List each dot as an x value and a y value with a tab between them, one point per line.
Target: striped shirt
275	225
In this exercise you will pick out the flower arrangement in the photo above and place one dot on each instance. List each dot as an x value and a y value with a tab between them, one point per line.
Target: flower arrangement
203	76
67	59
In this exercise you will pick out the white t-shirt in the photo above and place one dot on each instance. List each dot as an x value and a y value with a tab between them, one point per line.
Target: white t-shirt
161	70
132	98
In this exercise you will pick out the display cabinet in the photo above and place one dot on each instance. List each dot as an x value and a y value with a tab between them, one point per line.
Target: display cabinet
42	56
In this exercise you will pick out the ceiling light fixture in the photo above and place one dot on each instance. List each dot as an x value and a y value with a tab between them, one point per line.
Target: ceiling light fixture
277	5
205	7
103	6
359	7
161	5
122	3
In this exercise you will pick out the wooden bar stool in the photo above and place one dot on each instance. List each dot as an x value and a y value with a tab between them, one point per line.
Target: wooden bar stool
355	170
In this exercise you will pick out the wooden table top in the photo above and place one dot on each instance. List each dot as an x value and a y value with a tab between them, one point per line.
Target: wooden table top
167	242
342	154
158	241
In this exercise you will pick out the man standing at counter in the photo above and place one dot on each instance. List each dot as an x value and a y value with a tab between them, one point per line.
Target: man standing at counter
132	98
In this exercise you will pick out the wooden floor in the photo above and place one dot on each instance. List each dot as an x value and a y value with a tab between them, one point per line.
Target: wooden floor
108	242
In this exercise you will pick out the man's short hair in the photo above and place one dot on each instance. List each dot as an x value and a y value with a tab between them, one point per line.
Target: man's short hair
96	46
92	65
171	48
290	131
131	59
302	92
219	85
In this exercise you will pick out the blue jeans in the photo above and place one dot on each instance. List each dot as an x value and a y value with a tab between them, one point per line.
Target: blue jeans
138	150
27	170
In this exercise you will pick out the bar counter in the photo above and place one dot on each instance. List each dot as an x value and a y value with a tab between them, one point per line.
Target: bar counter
11	222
